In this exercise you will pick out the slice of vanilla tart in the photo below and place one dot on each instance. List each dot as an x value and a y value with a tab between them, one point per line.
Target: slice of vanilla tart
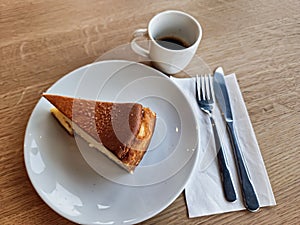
121	131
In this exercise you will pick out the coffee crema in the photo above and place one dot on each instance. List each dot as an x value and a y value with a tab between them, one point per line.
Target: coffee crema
172	43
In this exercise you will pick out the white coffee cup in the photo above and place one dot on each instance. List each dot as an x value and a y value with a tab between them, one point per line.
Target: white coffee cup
173	37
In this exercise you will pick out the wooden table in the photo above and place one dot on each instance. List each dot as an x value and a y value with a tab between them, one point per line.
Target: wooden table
41	41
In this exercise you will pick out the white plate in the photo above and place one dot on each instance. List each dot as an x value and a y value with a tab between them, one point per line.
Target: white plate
66	182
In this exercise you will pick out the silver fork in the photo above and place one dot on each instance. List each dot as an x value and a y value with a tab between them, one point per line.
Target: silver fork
204	97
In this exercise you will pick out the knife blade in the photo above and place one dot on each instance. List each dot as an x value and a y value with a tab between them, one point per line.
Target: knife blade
221	93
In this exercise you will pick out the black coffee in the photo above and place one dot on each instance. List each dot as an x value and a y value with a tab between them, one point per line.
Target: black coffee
172	43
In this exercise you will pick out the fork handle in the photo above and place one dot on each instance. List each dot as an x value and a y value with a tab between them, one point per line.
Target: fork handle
249	195
226	179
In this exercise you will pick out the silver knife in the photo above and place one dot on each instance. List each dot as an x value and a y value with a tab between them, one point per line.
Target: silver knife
221	94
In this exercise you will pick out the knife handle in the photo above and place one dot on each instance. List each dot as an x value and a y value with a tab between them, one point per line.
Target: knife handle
226	179
249	195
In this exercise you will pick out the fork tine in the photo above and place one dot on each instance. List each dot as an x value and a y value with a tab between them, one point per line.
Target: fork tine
207	88
203	91
211	91
197	87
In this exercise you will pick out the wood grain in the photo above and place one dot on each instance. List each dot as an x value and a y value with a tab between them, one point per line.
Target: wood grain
40	41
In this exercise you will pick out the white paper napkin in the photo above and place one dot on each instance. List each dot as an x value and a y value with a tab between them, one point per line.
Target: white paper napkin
204	194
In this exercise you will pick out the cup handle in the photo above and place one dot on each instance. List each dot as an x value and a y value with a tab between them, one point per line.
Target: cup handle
138	35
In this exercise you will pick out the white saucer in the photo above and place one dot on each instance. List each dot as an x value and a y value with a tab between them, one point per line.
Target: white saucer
69	185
